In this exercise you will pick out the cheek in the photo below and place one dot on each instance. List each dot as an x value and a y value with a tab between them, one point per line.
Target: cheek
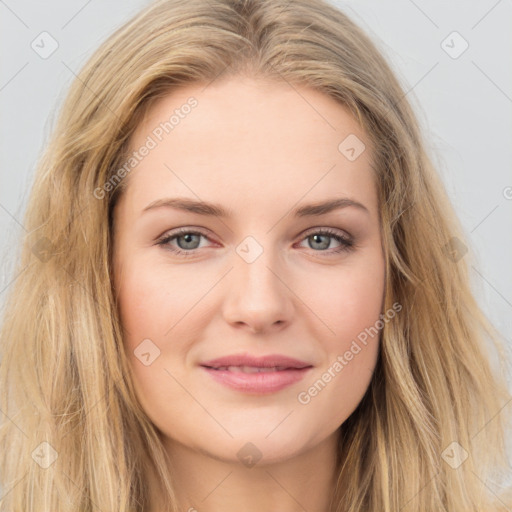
352	310
349	302
152	301
161	311
150	307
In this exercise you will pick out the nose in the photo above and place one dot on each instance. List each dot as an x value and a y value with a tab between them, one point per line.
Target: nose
257	296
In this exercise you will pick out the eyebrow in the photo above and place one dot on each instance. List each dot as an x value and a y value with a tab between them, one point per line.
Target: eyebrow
216	210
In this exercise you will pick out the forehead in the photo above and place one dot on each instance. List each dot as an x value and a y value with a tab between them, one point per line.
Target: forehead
251	141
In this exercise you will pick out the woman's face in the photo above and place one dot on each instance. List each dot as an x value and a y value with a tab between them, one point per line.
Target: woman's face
261	277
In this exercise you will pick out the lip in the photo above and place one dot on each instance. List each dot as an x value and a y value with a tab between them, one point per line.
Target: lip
257	383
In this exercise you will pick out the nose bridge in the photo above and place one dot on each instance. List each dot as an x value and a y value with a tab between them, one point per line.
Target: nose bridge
255	266
256	295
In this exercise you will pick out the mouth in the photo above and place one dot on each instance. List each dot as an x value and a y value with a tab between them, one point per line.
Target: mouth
256	380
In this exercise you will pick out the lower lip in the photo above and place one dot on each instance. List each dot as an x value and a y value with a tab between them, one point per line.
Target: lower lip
263	382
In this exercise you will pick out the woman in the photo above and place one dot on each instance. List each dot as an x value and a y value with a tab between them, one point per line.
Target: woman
243	287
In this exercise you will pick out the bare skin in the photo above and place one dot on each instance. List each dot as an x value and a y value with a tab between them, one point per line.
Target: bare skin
260	150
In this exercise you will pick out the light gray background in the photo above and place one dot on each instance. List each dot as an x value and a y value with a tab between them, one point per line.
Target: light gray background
464	105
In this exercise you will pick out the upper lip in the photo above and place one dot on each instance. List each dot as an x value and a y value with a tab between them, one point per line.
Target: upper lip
268	361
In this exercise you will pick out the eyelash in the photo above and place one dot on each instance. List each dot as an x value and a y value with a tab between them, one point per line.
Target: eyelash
347	245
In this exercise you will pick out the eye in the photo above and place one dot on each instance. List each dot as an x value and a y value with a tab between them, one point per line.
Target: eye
321	239
185	241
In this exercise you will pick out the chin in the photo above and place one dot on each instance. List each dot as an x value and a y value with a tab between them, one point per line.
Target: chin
255	448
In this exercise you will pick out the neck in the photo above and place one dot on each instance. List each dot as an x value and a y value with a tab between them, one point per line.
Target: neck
204	483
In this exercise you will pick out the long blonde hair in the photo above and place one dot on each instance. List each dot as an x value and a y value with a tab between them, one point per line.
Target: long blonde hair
73	435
